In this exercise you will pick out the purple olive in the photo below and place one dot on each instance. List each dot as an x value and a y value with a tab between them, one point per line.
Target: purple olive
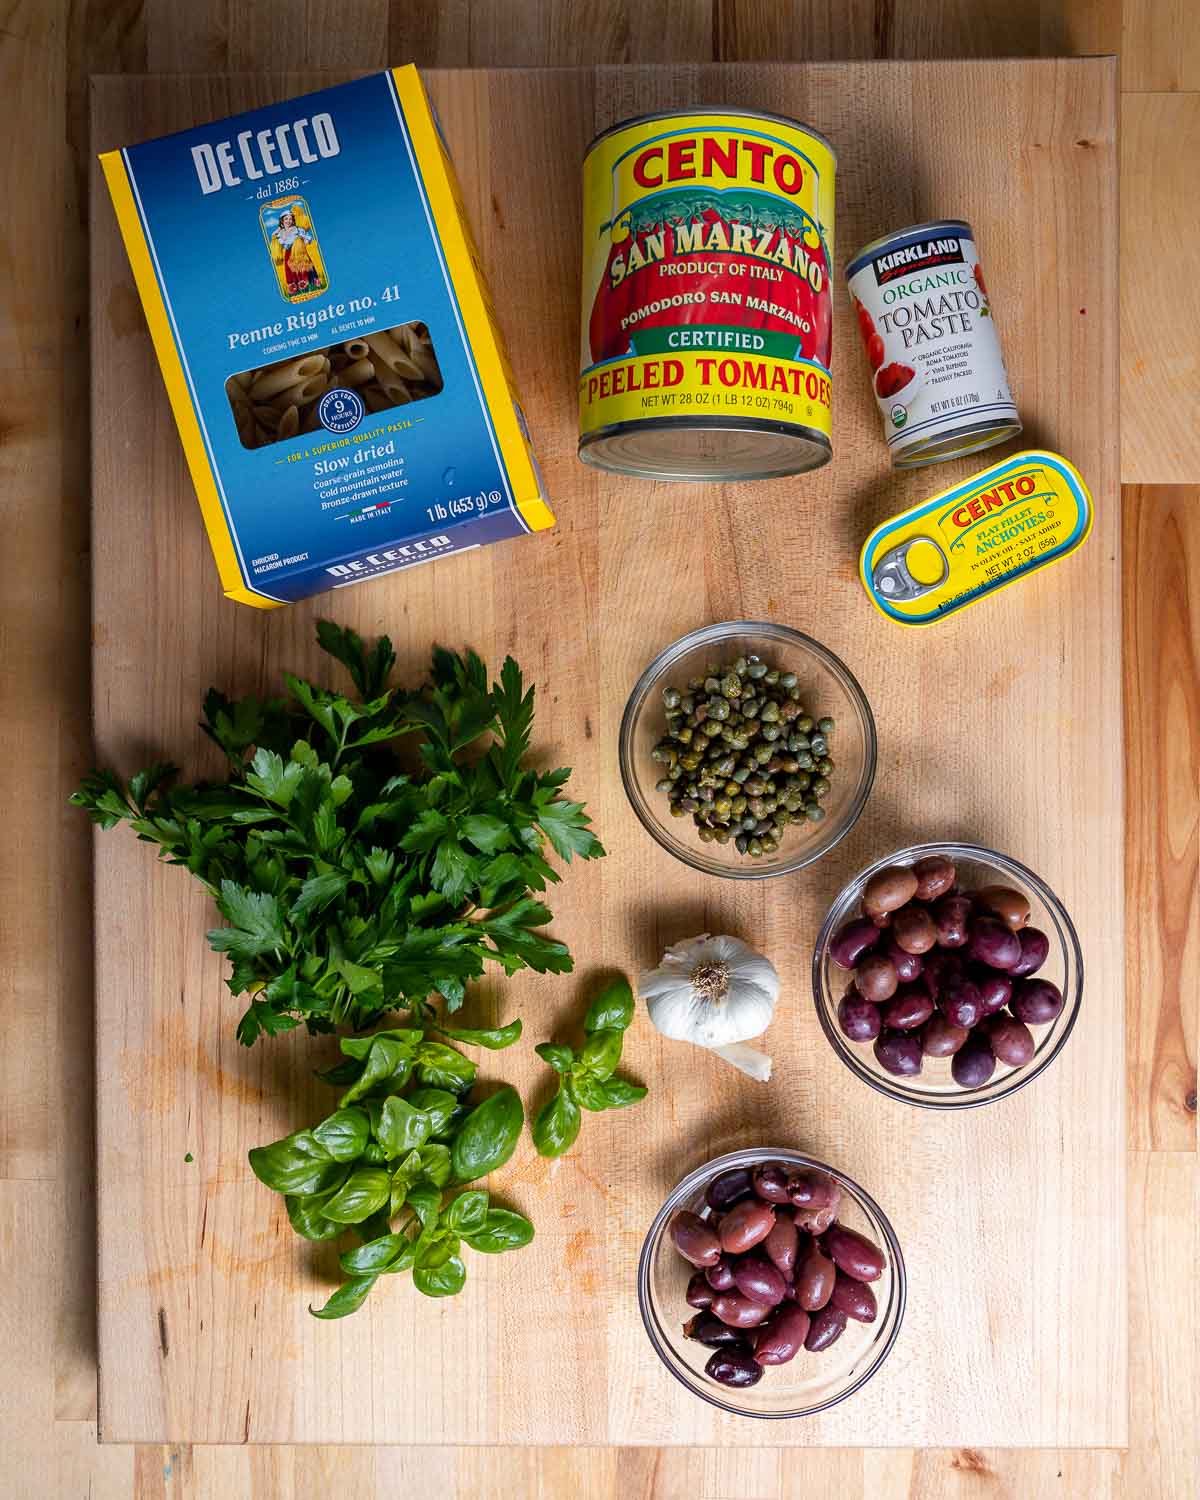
974	1063
782	1244
935	876
734	1366
959	1002
854	1253
699	1292
720	1276
1011	1040
1011	906
815	1216
815	1274
758	1280
951	915
876	978
1035	949
771	1182
940	1038
898	1052
694	1240
991	941
854	1298
908	966
739	1311
995	989
706	1328
941	966
913	930
808	1189
858	1018
1036	1001
783	1337
729	1187
890	889
826	1328
908	1008
852	942
745	1225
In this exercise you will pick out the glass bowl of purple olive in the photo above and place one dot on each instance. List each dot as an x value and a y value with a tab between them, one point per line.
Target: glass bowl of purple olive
947	975
770	1284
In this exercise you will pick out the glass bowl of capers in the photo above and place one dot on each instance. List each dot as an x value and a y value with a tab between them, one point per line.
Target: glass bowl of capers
747	749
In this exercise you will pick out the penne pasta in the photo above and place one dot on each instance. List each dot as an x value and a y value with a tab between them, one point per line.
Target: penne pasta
358	373
276	378
289	424
357	348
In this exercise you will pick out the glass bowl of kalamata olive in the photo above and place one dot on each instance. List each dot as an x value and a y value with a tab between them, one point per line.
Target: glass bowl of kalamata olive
947	975
770	1284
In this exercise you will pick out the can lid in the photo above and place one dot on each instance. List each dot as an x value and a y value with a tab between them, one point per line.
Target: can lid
975	538
909	235
710	109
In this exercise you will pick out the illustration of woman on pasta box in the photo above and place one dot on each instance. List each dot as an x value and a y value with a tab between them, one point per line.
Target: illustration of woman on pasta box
295	254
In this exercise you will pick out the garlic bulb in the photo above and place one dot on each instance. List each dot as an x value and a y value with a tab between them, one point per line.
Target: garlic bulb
716	992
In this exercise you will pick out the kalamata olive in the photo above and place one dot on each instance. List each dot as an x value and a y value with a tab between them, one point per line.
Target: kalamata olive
1035	949
854	1298
908	1008
973	1064
739	1311
935	875
1011	1040
959	1002
699	1293
734	1366
759	1280
783	1337
781	1244
853	1253
1011	906
720	1276
814	1279
990	941
908	966
876	978
826	1328
808	1189
913	929
950	916
816	1217
1036	1001
941	1038
729	1187
898	1052
941	966
707	1328
694	1240
851	942
995	989
771	1182
745	1225
858	1018
890	889
877	915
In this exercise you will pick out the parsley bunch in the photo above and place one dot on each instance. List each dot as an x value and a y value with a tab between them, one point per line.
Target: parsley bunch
353	884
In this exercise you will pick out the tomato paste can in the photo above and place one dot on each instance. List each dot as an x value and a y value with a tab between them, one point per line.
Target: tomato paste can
707	314
934	354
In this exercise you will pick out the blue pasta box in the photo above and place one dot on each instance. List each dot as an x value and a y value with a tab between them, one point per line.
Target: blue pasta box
337	376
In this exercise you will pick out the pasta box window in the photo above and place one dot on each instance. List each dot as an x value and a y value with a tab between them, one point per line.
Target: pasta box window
332	359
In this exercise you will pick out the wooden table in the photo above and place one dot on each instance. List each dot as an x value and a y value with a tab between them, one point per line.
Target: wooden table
988	731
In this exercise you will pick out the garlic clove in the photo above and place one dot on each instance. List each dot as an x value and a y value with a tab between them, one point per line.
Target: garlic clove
750	1060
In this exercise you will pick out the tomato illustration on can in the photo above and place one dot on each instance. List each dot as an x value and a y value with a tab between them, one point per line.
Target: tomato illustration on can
707	310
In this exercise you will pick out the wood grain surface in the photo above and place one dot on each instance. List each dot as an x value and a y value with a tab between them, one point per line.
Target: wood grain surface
204	1333
47	1386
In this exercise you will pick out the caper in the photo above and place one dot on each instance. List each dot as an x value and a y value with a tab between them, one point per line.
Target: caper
826	726
706	834
749	708
772	677
731	685
665	785
722	806
820	786
741	774
788	710
677	809
741	843
684	735
788	680
671	697
804	759
804	724
738	805
771	732
712	684
769	713
718	708
756	848
818	744
756	670
665	754
723	835
756	786
825	765
711	727
814	812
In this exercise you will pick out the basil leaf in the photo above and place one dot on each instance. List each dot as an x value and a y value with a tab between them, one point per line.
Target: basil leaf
439	1104
388	1061
488	1136
443	1067
557	1124
401	1128
374	1257
619	1092
308	1220
298	1164
435	1163
602	1051
360	1046
344	1134
560	1059
359	1196
468	1211
441	1281
348	1298
502	1230
425	1200
493	1039
611	1009
589	1090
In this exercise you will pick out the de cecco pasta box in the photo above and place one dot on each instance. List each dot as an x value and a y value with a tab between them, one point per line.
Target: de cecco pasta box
327	343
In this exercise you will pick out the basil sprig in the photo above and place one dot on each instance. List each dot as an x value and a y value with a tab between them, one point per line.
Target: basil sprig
586	1080
390	1161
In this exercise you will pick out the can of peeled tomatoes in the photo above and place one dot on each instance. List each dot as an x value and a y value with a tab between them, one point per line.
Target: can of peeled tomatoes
707	316
934	353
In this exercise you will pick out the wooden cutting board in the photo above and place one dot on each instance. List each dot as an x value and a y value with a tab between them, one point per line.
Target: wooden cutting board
1001	726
